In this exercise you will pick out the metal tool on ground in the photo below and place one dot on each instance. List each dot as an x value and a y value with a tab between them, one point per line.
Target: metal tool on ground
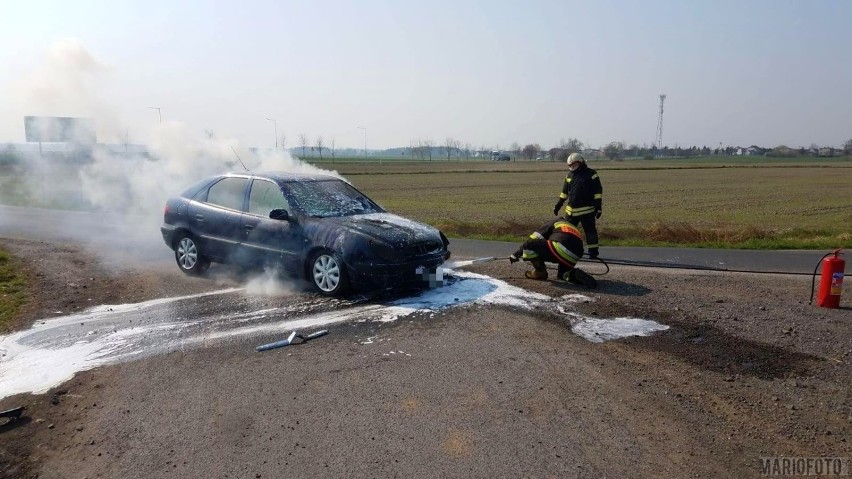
11	415
290	340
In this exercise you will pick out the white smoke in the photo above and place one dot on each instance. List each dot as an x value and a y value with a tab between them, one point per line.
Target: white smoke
73	82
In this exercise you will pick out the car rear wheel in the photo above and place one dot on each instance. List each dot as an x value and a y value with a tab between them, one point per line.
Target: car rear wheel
188	256
328	274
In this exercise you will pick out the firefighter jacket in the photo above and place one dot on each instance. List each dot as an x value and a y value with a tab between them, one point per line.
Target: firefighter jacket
583	191
563	240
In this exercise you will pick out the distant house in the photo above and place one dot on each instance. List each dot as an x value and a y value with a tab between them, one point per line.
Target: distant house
755	150
826	151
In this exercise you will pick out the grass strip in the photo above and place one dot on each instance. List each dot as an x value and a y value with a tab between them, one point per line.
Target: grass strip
12	289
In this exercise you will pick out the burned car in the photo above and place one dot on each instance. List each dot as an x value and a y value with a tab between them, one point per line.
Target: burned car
315	227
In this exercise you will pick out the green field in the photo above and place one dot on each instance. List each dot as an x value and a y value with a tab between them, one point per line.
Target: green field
732	202
701	202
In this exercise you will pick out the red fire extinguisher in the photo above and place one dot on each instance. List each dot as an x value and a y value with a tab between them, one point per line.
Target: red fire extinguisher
830	280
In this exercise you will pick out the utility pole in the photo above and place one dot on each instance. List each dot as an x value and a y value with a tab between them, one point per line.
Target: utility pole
660	125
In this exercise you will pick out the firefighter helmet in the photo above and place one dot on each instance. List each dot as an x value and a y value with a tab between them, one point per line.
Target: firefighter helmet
575	158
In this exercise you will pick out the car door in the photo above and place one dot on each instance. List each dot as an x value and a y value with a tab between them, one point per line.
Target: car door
215	217
266	240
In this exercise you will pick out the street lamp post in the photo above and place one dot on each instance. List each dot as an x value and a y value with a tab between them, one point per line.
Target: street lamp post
275	125
159	113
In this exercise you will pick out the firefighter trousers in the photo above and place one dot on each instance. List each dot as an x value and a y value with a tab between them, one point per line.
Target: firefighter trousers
589	228
539	251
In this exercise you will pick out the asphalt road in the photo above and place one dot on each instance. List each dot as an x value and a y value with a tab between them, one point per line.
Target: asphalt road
114	236
788	261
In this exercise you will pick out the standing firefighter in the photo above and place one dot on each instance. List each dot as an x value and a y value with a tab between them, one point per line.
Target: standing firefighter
556	242
584	193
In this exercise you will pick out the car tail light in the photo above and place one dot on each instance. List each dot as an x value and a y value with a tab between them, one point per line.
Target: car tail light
166	209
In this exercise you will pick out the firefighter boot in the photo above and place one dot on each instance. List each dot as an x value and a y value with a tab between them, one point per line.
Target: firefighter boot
560	272
539	273
593	253
578	276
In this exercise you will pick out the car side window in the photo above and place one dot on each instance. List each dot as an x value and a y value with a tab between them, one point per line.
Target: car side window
228	192
266	196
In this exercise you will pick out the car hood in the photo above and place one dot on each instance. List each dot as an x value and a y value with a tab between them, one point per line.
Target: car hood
389	228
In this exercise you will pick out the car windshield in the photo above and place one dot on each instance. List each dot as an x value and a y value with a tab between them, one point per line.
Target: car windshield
330	198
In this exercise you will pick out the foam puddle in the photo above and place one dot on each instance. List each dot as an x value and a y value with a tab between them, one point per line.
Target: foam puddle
53	350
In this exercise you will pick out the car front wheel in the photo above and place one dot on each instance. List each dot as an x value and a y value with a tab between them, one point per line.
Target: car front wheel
327	274
188	256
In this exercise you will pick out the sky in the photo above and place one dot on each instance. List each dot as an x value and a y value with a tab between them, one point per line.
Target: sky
486	73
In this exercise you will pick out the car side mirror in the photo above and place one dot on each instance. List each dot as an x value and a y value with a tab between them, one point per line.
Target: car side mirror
279	214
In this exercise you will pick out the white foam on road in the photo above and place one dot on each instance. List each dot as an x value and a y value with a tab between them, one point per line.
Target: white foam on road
599	330
53	350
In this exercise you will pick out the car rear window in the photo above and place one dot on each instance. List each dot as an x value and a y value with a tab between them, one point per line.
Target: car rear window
330	198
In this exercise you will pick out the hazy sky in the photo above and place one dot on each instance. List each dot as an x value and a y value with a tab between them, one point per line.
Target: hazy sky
487	73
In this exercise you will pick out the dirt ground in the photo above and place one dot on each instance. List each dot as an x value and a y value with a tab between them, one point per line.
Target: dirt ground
748	369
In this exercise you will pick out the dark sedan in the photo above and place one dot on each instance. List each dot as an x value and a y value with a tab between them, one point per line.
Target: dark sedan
315	227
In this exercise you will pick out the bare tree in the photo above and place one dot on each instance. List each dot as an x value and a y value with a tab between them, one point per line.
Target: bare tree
467	147
847	147
320	145
613	150
283	142
303	142
572	145
332	149
450	145
531	151
428	144
516	150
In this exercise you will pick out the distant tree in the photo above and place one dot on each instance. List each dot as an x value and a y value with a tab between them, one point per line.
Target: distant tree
633	150
428	144
515	150
449	146
847	147
572	145
467	149
303	143
283	141
331	147
613	150
530	151
320	145
558	154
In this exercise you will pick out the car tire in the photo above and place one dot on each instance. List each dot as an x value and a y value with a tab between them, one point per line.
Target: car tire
327	273
188	255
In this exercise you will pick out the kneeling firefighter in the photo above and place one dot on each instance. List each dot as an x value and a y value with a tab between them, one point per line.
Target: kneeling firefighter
555	242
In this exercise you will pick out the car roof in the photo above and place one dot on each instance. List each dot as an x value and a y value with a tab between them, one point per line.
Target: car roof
283	176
